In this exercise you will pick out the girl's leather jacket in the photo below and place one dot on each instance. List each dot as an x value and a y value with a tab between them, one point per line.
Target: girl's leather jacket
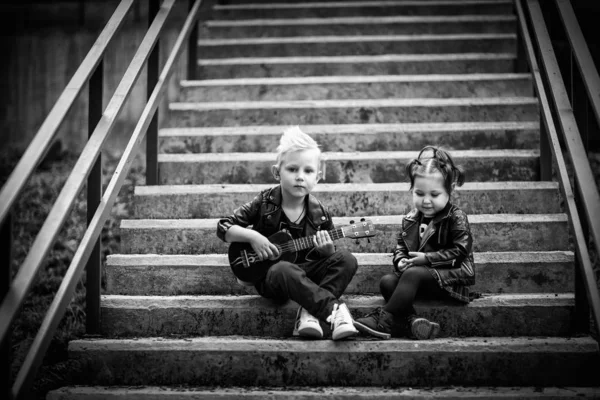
447	244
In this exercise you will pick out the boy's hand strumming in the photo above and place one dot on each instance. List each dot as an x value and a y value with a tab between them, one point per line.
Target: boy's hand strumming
264	248
324	244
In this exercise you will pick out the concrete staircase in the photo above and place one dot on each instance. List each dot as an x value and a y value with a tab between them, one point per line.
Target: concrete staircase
373	82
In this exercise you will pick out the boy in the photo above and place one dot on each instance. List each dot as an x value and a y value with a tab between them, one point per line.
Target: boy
320	275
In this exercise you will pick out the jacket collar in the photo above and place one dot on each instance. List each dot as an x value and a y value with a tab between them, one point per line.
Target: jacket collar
314	211
413	242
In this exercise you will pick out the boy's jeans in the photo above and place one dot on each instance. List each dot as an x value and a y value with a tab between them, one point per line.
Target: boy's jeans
314	285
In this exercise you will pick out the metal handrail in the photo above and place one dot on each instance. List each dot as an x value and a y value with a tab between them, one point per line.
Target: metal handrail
43	138
583	172
69	282
89	155
543	42
582	54
61	208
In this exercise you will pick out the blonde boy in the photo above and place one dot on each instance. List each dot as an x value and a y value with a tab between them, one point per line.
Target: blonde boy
319	276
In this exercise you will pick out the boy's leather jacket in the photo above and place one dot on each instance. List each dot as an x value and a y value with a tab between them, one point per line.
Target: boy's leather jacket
447	244
264	214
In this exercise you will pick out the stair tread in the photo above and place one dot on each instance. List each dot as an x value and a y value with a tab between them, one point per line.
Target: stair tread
353	79
495	301
337	187
341	155
211	223
357	58
374	129
336	4
319	392
354	39
516	257
397	19
237	343
341	103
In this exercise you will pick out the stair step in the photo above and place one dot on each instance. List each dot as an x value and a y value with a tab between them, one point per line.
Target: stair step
353	111
253	315
365	45
401	64
162	275
358	87
346	199
355	137
343	167
359	8
491	232
389	25
310	393
228	361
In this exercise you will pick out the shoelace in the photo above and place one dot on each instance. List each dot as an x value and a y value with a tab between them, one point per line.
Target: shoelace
332	318
338	315
375	313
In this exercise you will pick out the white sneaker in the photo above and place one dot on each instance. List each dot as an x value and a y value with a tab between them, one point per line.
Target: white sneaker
306	325
341	321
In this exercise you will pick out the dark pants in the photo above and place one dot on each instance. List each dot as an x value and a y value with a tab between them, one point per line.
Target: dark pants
315	285
400	290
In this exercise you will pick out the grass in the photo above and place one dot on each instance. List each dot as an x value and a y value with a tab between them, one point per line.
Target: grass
30	212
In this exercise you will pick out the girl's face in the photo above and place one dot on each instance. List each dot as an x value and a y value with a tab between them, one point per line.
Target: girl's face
429	194
298	173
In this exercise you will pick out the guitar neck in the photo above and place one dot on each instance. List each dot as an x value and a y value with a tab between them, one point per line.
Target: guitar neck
308	242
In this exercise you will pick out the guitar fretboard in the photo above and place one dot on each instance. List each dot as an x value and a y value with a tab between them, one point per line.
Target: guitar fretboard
308	242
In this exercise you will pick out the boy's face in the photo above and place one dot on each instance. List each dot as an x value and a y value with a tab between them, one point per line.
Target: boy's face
298	172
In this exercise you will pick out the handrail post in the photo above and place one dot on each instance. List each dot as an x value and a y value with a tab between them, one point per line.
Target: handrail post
152	135
581	322
192	62
545	155
94	196
6	261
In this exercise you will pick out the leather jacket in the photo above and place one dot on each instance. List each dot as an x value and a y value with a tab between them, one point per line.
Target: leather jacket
447	244
264	214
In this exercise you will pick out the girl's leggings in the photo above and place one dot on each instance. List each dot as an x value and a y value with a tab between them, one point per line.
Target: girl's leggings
400	290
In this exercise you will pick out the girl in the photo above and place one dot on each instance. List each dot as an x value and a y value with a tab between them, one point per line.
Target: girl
434	252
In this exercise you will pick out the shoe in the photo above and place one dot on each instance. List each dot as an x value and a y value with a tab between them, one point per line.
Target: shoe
341	321
306	325
423	329
378	323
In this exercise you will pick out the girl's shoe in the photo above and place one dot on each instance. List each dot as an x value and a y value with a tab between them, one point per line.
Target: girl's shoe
378	323
423	329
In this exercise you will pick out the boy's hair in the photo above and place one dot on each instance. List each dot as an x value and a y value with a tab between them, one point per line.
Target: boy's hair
293	139
432	159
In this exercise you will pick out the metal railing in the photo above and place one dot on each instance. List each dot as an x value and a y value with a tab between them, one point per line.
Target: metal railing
586	195
88	166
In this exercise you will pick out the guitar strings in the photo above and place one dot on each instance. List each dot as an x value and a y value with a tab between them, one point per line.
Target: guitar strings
307	241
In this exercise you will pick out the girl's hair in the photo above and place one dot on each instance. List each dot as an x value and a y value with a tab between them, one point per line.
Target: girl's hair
432	159
293	139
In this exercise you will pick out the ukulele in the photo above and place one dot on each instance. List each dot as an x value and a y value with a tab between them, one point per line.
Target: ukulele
248	267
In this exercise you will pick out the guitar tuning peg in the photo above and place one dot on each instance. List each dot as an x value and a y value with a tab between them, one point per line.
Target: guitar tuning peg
368	240
362	220
357	241
351	222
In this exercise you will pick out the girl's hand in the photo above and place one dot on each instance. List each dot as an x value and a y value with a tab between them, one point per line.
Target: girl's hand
323	243
403	265
418	258
263	248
